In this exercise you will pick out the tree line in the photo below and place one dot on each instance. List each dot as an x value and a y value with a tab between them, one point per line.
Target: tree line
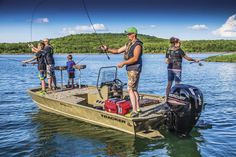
89	43
223	58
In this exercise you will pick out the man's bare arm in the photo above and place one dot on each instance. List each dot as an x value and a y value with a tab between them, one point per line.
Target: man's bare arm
113	51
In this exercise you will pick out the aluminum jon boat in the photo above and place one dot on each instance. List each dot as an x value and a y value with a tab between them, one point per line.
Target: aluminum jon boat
88	104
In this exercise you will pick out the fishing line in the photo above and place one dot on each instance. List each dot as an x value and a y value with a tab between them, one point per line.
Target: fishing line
82	59
16	60
200	64
32	18
95	32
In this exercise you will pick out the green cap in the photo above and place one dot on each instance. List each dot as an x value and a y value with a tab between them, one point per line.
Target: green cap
131	30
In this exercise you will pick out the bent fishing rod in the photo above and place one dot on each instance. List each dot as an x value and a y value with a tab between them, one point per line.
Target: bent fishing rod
95	32
200	64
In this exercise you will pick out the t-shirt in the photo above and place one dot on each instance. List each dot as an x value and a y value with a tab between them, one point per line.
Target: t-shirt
41	60
49	55
69	66
175	58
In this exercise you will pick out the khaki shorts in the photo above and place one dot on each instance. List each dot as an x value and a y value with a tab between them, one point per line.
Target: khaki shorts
50	71
133	79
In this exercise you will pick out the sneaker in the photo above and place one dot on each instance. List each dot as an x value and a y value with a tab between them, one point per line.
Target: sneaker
139	111
49	90
132	114
42	93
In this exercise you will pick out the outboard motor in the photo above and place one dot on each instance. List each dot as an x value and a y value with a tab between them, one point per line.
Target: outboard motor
185	103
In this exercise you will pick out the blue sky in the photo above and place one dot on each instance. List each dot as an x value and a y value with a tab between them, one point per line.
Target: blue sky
188	20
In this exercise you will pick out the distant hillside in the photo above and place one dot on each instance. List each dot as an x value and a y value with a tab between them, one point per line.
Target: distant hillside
89	43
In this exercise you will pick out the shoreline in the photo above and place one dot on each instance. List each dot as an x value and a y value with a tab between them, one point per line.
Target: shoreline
226	57
109	53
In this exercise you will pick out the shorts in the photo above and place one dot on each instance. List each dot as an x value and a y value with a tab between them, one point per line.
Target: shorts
174	75
42	74
71	75
133	80
50	71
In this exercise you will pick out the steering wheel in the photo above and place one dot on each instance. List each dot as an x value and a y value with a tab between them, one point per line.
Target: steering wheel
118	83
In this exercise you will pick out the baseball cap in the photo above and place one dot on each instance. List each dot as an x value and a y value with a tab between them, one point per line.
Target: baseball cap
174	40
46	40
131	30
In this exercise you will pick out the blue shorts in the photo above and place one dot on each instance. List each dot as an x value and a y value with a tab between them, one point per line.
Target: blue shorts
42	74
71	75
174	75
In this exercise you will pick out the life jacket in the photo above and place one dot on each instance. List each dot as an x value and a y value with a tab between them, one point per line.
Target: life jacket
49	55
129	53
41	59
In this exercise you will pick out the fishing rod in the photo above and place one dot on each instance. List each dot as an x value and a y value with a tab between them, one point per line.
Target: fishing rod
95	32
15	60
32	19
81	59
200	64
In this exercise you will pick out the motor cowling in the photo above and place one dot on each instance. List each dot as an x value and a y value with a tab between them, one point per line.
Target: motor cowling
185	105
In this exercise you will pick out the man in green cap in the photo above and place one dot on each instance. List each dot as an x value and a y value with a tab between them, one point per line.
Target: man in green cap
132	50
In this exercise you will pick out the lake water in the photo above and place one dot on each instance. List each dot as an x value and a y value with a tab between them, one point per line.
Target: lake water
27	131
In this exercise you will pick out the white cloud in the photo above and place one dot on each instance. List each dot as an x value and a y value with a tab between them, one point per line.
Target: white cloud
198	27
153	26
147	26
84	29
228	29
41	20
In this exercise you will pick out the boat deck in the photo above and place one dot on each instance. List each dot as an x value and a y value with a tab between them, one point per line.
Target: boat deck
149	104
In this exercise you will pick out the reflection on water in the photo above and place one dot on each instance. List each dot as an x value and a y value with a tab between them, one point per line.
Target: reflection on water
27	131
59	135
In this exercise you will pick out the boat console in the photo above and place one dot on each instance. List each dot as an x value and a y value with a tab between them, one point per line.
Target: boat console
108	86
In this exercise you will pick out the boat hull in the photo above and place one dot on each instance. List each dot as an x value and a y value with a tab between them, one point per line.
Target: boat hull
136	126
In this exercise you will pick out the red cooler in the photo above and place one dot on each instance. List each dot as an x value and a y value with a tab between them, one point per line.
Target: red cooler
110	105
117	106
123	106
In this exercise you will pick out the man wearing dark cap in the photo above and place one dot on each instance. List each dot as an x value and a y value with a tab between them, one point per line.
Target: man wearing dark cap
132	50
174	57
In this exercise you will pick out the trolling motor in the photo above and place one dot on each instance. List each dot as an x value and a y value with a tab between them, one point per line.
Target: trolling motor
185	105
